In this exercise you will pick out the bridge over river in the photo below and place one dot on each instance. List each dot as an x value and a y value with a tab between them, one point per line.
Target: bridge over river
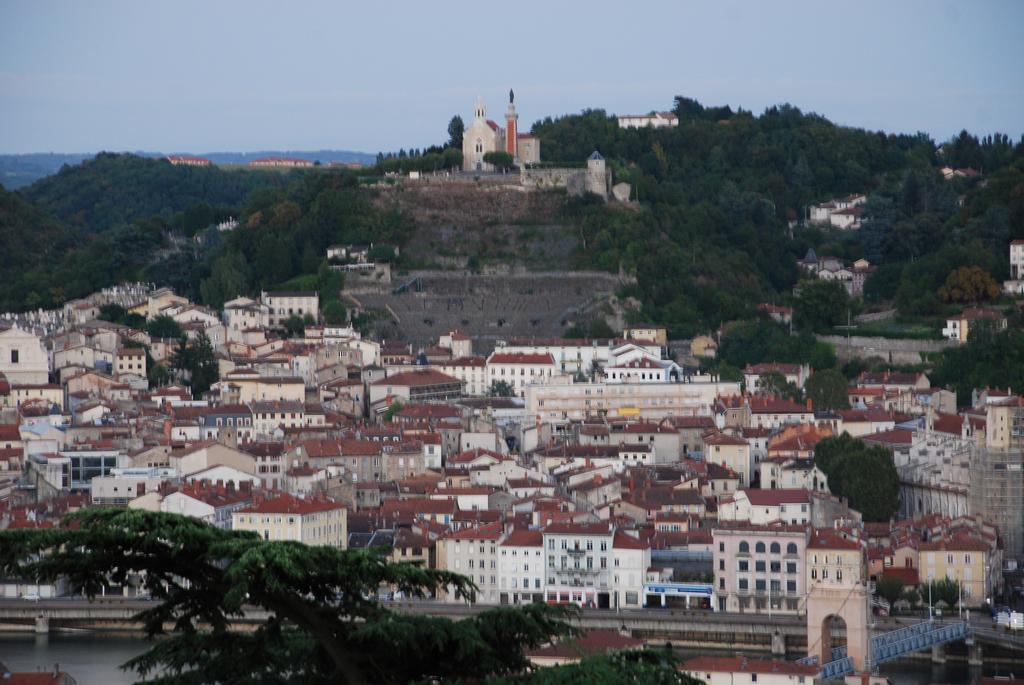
780	635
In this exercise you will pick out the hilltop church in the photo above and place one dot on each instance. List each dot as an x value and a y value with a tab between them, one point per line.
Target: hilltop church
484	135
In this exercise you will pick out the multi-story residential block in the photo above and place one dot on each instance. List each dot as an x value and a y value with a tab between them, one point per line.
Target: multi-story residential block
130	361
593	564
764	507
284	517
470	370
521	369
967	559
731	452
243	314
521	567
473	552
757	567
560	403
286	303
835	559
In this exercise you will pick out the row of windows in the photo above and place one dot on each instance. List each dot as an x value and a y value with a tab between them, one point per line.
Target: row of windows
743	566
576	562
759	548
824	574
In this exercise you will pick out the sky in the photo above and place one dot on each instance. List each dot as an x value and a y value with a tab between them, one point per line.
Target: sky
248	75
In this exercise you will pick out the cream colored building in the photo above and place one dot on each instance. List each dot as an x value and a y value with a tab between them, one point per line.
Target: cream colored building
284	517
283	304
130	361
470	370
520	370
757	567
23	360
561	403
473	552
964	559
834	559
730	452
245	386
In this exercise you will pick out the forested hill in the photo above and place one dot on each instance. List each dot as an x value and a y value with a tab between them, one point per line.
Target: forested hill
27	238
709	239
719	190
114	189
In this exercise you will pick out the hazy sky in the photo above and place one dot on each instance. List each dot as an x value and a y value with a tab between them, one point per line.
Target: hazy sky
209	75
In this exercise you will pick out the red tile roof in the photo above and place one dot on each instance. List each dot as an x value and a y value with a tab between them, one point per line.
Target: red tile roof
723	439
829	538
624	540
578	529
769	498
524	538
414	379
521	358
742	664
488	531
284	503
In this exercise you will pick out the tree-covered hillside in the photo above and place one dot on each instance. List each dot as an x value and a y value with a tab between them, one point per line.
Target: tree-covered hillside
719	192
114	189
715	230
28	240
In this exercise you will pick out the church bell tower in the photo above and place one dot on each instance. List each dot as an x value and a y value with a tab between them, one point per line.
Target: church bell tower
511	119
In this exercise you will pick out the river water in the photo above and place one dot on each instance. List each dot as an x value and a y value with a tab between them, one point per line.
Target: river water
93	659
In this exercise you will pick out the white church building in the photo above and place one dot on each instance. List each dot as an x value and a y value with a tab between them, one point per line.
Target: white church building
483	135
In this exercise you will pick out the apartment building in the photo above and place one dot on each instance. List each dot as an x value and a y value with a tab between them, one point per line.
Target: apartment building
286	517
760	568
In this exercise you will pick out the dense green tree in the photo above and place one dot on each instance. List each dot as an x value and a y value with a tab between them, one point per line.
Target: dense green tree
323	625
889	588
456	129
912	597
774	383
501	389
822	305
945	590
969	284
865	476
164	327
991	358
196	362
827	389
882	283
499	159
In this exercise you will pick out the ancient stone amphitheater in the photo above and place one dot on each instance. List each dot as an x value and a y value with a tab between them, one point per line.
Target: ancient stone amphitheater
422	305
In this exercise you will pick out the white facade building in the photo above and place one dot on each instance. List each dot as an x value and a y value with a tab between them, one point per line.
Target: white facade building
23	360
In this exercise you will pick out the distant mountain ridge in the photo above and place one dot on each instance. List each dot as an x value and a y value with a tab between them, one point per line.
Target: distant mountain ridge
18	171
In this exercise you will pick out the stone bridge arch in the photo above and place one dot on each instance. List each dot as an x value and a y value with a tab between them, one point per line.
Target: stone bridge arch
849	604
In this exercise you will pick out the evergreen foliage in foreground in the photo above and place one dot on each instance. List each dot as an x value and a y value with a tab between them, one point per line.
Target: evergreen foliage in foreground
323	626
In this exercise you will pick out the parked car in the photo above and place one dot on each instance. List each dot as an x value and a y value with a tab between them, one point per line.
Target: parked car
31	596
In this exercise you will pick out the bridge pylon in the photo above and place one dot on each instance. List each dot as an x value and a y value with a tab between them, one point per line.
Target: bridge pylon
850	604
